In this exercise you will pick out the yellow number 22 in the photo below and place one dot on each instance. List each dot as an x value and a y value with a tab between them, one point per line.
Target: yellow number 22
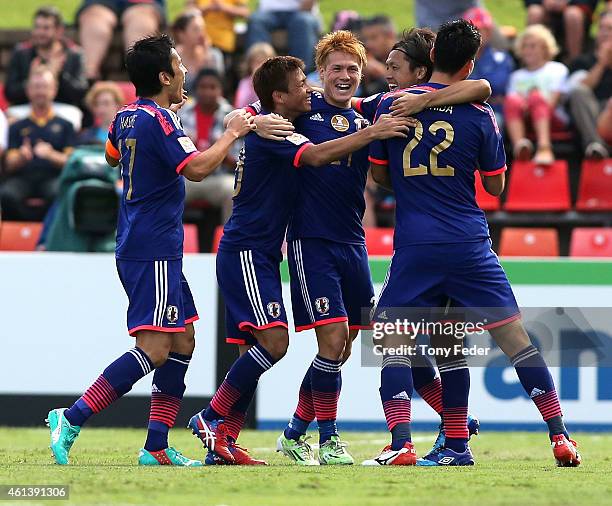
421	170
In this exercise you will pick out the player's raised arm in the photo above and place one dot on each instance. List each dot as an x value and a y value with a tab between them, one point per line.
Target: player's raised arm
387	126
207	161
462	92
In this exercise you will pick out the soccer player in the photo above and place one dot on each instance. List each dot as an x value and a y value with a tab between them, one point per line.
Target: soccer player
248	262
408	64
443	251
146	140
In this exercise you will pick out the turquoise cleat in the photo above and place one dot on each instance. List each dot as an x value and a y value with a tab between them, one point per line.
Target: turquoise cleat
62	435
473	425
166	457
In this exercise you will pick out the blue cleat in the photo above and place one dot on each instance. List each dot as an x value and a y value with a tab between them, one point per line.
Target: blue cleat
447	457
473	425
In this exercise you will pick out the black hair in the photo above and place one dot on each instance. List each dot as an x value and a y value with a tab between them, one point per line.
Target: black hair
146	59
208	72
273	75
182	22
456	44
380	20
416	45
49	11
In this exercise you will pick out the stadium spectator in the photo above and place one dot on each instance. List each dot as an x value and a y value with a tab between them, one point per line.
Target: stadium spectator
103	100
97	20
219	16
491	64
294	16
378	35
203	122
194	46
534	94
431	14
604	124
47	46
256	55
38	149
570	21
591	88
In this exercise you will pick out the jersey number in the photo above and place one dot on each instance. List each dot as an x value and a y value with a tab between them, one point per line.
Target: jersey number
130	144
436	170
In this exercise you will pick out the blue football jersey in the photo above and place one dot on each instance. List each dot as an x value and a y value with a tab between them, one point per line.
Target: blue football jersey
265	191
432	171
368	106
152	150
331	204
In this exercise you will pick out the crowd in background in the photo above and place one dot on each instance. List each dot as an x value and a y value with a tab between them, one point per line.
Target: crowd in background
551	78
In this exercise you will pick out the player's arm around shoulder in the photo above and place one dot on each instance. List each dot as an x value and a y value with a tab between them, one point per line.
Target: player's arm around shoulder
386	127
207	161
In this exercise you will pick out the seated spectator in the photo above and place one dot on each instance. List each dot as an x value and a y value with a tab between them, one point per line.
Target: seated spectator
103	100
604	123
570	21
534	93
38	149
491	64
378	35
296	17
97	20
219	16
193	45
203	121
591	88
256	55
47	46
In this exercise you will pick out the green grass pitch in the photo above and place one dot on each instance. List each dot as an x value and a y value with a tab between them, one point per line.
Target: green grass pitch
512	469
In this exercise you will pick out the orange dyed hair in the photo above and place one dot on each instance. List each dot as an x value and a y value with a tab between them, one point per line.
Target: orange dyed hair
343	41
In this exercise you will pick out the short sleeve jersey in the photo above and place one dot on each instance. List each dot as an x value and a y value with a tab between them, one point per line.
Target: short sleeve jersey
152	150
368	106
331	203
265	190
432	171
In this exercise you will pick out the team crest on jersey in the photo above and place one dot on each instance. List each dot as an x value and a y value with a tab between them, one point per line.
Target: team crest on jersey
340	123
172	314
322	305
274	309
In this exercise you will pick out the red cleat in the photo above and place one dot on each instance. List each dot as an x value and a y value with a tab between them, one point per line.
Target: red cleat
405	456
242	457
214	436
565	451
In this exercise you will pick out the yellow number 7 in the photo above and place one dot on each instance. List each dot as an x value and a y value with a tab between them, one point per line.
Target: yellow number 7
421	170
130	144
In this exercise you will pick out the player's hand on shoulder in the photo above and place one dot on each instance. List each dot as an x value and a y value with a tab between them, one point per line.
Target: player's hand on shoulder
406	104
273	127
241	124
392	126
